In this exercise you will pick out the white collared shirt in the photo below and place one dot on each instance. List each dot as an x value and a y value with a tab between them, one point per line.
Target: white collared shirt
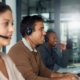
28	46
12	71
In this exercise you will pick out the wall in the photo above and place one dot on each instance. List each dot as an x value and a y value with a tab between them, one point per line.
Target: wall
12	4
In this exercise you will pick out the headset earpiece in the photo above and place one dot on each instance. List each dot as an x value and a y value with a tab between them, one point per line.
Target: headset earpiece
28	31
46	39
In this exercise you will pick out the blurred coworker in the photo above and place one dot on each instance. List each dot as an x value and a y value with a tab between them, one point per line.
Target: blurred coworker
49	54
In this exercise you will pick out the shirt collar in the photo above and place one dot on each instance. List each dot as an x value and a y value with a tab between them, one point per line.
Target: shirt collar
28	46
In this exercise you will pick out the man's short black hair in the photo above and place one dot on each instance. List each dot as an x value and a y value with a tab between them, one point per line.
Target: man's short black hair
4	7
29	21
49	32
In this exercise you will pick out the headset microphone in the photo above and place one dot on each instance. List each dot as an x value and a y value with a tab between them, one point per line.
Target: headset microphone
4	36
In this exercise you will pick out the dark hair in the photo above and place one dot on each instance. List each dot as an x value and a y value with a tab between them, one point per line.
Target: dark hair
49	32
29	21
4	7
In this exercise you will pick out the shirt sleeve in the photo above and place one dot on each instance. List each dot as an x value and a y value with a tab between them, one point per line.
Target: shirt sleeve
62	60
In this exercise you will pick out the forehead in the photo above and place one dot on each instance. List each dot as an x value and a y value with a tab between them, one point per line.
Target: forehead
52	34
39	24
7	15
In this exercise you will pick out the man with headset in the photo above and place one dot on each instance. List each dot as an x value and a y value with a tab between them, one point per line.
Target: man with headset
51	54
28	61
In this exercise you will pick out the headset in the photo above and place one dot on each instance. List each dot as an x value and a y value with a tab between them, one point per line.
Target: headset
46	37
5	37
29	30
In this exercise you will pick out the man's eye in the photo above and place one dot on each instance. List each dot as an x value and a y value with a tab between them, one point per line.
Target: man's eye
41	29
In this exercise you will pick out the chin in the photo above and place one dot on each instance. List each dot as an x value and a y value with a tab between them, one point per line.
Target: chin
54	45
7	43
41	42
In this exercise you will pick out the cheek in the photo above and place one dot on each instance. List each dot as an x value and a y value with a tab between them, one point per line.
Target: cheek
41	35
37	35
4	42
52	42
34	36
3	31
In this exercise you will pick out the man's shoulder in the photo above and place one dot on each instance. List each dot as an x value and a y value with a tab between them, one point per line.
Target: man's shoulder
43	46
18	44
17	47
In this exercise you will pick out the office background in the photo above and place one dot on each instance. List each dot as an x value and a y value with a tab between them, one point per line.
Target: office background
63	16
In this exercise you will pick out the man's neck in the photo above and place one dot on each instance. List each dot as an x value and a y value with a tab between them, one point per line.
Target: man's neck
30	43
49	45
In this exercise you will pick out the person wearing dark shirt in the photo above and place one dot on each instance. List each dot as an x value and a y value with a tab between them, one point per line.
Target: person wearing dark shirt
50	53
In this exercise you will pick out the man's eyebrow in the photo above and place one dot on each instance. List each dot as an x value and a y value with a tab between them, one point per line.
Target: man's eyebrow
42	27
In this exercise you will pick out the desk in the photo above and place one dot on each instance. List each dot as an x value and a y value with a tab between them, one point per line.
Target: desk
74	68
